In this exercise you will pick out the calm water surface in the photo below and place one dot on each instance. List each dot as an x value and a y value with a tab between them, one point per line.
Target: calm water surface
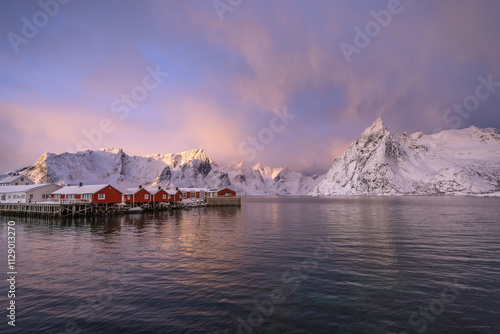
276	265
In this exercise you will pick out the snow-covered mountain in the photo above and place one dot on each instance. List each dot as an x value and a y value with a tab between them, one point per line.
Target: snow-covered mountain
187	169
454	162
269	181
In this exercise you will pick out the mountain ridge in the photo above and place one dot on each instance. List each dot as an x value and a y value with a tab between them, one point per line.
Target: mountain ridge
379	162
193	168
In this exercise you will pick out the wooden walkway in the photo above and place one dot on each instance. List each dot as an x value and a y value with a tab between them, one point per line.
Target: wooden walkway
55	209
59	210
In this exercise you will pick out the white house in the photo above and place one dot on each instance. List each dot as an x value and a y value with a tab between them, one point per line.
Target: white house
15	180
212	192
27	193
193	192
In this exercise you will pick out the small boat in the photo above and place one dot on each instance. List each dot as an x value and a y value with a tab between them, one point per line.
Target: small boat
135	209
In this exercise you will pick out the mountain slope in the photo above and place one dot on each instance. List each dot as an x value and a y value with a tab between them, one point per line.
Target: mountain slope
465	162
187	169
460	162
258	180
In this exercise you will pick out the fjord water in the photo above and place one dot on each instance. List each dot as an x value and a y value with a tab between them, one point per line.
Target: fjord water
276	265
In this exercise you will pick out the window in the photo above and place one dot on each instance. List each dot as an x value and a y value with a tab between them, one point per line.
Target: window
129	196
184	195
193	195
17	183
164	196
202	194
87	196
23	196
3	197
101	197
146	196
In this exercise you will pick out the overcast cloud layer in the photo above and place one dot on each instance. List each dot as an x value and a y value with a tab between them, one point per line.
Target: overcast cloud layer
230	66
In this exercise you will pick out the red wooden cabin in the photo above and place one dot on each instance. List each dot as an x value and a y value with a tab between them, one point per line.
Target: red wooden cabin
174	195
226	192
136	195
158	195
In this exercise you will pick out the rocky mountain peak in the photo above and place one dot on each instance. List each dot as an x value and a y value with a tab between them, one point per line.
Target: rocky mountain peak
114	150
382	163
192	168
196	154
377	127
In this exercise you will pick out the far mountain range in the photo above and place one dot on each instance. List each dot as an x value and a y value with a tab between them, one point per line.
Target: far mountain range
379	162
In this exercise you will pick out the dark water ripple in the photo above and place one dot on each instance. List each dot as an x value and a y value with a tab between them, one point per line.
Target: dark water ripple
257	269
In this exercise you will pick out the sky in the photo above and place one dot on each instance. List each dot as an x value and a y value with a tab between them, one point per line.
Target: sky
282	82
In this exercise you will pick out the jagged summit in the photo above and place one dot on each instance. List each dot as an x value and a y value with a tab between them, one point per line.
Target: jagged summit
239	164
192	168
183	157
379	162
199	154
258	166
463	161
115	150
376	127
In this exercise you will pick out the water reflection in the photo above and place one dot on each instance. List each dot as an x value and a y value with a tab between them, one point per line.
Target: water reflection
198	271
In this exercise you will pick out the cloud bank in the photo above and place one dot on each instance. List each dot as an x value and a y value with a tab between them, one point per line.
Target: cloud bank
226	77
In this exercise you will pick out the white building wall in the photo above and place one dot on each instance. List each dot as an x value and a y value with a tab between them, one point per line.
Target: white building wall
39	192
36	195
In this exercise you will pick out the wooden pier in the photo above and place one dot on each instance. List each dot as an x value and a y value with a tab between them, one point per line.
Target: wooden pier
56	209
62	209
